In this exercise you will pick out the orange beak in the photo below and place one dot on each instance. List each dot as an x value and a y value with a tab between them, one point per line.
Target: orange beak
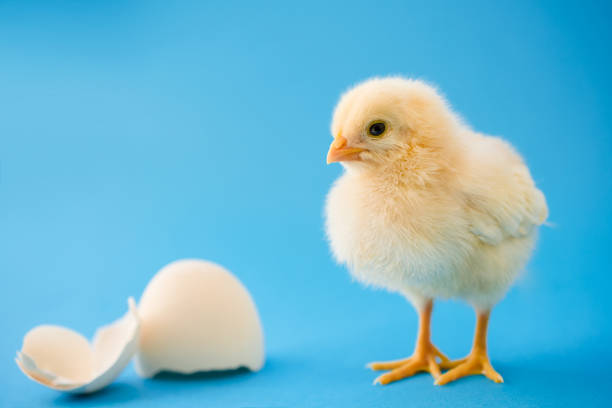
339	151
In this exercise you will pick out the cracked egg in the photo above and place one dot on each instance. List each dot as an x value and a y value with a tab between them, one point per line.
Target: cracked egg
62	359
197	316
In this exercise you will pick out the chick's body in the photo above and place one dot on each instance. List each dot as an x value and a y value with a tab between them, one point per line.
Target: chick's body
429	208
438	240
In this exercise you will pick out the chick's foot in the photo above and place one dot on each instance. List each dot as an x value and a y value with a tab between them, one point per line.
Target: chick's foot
476	363
423	359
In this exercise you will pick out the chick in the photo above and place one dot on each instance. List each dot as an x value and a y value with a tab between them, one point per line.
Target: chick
428	208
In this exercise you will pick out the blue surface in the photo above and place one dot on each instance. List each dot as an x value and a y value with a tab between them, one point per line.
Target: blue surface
136	133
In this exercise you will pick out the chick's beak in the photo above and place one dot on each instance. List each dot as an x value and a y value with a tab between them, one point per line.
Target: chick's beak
339	151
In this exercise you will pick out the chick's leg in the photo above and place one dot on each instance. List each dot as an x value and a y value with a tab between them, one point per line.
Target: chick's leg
477	362
423	358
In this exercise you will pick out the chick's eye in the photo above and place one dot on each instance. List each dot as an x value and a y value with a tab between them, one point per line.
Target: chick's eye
377	129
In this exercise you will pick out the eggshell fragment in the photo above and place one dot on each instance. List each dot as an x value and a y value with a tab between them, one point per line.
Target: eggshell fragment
196	316
62	359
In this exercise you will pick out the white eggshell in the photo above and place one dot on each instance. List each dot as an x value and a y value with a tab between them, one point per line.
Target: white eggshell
196	316
62	359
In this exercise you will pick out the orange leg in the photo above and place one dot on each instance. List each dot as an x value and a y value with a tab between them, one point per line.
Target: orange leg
477	362
423	358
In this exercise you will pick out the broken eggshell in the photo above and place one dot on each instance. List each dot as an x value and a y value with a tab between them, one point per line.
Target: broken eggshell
196	316
64	360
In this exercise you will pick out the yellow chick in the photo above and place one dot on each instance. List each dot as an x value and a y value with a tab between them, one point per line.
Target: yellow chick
428	208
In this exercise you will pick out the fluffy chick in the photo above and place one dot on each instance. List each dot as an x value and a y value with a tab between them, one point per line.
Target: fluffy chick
428	208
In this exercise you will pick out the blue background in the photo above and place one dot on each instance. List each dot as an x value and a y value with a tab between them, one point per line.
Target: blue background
136	133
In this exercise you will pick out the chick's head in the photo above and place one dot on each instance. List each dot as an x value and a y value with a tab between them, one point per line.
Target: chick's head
383	120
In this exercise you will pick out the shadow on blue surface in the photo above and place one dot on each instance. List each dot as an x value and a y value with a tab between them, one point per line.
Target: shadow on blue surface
114	393
120	392
201	376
